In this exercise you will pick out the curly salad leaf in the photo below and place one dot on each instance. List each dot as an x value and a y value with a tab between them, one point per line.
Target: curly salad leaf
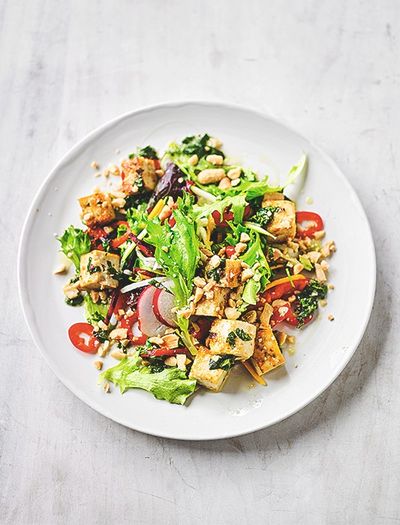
171	384
177	252
74	243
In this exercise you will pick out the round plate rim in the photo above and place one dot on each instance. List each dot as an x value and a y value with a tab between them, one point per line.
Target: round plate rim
23	294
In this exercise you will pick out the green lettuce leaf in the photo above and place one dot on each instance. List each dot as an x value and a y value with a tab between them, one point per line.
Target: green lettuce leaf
237	205
94	312
255	254
177	252
171	384
74	243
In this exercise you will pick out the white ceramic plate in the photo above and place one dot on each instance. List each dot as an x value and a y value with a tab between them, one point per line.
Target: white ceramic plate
323	349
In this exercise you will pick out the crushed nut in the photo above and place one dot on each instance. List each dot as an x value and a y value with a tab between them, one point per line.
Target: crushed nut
119	333
94	165
319	235
181	361
171	340
281	337
217	160
103	348
225	184
214	262
232	313
319	273
244	237
213	142
331	317
199	281
198	294
240	248
331	286
98	364
170	361
247	274
323	302
297	268
117	354
234	173
291	339
118	203
194	159
211	176
156	340
209	285
106	387
235	182
60	269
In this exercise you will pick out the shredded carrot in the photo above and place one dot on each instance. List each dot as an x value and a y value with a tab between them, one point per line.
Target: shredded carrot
157	209
285	280
253	373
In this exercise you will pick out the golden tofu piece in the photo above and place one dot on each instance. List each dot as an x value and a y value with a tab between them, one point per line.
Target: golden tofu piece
97	269
267	354
215	306
96	209
212	379
283	223
230	276
232	337
138	173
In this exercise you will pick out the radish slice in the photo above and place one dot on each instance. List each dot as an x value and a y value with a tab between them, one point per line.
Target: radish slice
148	323
163	303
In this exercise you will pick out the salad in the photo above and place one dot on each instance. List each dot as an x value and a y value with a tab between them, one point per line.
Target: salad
194	265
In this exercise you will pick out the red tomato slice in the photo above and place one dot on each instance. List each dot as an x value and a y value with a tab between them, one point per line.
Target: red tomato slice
81	336
230	250
315	223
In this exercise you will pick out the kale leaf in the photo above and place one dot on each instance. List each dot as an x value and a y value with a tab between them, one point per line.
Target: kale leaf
308	300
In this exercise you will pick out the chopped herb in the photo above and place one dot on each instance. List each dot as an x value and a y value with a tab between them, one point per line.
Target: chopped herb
101	335
106	244
231	339
156	364
238	333
198	145
242	335
224	362
115	274
308	300
75	301
92	269
265	215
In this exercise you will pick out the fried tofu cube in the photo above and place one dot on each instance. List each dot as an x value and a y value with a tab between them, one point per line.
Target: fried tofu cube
97	270
96	209
138	173
215	306
267	354
283	223
230	277
212	379
232	337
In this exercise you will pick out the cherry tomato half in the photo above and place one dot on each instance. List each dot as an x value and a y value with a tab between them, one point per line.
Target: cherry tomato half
81	336
315	223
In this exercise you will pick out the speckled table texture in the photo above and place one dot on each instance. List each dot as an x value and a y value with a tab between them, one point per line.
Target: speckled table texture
331	69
